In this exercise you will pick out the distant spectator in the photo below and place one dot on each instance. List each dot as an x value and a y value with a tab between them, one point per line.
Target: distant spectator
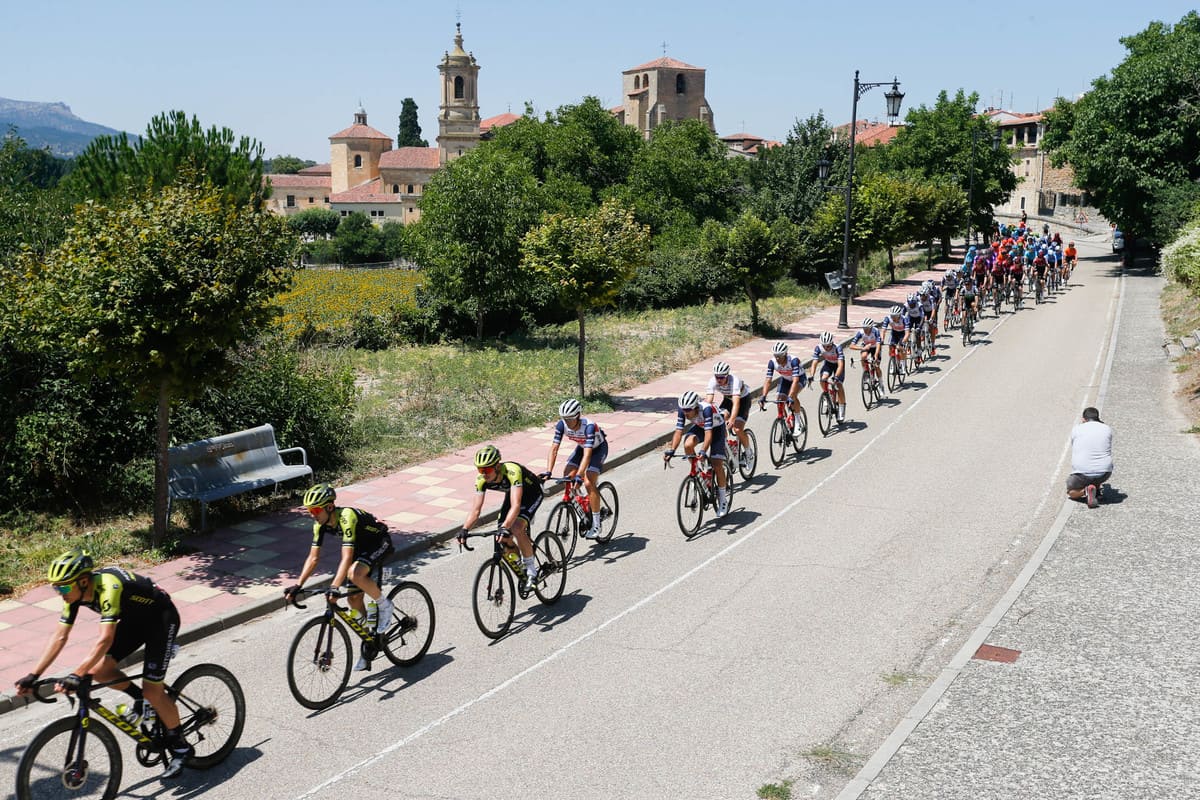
1091	458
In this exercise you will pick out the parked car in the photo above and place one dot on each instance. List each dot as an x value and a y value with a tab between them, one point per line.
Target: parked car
1118	241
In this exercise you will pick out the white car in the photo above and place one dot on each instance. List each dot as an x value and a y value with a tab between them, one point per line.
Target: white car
1118	241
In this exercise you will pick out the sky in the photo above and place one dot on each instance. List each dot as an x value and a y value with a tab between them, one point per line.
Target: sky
290	74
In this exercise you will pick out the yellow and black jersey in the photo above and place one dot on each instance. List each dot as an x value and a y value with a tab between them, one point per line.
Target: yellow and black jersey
120	595
508	475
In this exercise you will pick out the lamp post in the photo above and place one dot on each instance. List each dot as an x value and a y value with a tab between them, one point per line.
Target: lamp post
893	97
971	178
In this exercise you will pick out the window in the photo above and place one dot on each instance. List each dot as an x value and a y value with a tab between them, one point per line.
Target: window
395	188
291	201
680	84
310	200
637	82
1022	203
410	210
344	212
326	201
1027	168
1033	134
458	87
410	191
358	162
646	80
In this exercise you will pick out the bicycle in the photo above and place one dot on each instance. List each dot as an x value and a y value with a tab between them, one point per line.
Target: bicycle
573	513
212	713
872	391
318	671
787	429
733	446
953	313
968	328
502	578
697	492
996	299
895	375
1039	292
827	406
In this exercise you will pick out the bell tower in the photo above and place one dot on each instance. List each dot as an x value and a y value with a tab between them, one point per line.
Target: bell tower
458	115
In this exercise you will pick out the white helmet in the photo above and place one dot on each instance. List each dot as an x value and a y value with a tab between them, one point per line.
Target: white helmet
826	338
689	399
570	408
897	310
868	323
781	348
720	369
949	273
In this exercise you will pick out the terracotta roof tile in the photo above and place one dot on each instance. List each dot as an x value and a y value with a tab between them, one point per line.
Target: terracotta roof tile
410	158
663	63
369	192
642	90
498	121
360	132
299	181
742	137
318	169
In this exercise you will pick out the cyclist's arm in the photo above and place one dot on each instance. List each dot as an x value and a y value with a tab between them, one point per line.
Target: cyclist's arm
585	460
841	368
310	565
54	646
108	630
514	502
767	387
473	514
736	404
343	568
553	457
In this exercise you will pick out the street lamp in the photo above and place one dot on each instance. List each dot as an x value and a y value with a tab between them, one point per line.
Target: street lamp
971	178
893	98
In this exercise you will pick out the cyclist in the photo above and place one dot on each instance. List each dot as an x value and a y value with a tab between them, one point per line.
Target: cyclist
997	275
915	313
897	323
791	379
970	300
1071	256
707	429
735	401
832	362
1039	268
133	612
951	282
1016	273
591	449
522	496
869	340
929	306
366	546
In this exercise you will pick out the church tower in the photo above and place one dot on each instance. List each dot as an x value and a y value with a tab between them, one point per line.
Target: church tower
458	116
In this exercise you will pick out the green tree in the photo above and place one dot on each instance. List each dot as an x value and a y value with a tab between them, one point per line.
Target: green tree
153	294
34	210
1132	140
783	180
358	241
943	207
173	148
750	251
886	203
315	223
409	134
287	165
474	213
588	259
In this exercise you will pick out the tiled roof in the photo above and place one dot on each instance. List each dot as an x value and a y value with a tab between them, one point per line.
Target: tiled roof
360	132
642	90
410	158
742	137
299	181
319	169
663	63
369	192
498	121
869	133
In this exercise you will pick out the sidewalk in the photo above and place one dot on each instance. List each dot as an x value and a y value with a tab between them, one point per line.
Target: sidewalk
238	573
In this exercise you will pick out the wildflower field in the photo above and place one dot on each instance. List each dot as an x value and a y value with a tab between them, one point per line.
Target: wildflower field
324	300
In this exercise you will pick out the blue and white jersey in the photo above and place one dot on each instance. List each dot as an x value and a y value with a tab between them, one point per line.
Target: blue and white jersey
732	387
897	323
868	338
935	294
709	418
832	356
927	304
788	369
914	312
586	434
952	280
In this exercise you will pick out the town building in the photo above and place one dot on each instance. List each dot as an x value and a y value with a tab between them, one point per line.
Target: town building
661	90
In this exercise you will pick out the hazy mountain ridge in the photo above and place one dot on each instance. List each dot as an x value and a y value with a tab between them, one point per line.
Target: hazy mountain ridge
51	125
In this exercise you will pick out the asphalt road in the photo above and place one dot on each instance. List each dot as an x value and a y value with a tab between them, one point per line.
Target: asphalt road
784	642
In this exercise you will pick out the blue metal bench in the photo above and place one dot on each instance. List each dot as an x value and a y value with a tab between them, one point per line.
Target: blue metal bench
228	465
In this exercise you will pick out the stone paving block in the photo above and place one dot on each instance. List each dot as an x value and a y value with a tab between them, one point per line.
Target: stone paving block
426	480
447	502
22	614
448	514
250	526
10	605
258	572
404	517
257	590
302	524
435	491
460	468
418	470
4	625
259	556
194	594
254	540
49	604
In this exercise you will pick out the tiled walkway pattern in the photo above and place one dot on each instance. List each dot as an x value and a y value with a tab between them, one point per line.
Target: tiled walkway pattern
237	570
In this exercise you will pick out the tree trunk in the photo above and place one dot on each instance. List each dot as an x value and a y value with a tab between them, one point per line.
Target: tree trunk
160	465
753	307
479	325
891	266
582	348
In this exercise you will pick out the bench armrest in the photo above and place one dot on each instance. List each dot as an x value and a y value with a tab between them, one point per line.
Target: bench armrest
300	450
175	485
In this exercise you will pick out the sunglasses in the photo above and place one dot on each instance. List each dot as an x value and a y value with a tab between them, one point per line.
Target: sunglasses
315	510
64	588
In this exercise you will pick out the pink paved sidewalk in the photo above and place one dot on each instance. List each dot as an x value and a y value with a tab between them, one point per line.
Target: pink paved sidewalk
239	572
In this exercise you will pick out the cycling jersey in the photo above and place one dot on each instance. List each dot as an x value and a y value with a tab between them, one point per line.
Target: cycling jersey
508	475
868	338
788	369
896	323
733	386
119	596
357	528
915	314
709	418
831	356
586	433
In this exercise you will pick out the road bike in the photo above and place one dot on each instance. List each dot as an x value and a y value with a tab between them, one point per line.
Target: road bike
827	405
968	327
698	491
74	756
788	429
953	312
996	299
572	515
870	385
733	447
1039	292
502	578
895	370
320	657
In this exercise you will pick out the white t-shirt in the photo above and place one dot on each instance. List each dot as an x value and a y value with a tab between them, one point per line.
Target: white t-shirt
1091	448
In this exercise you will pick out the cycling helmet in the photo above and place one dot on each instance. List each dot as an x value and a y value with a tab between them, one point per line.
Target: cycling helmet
781	348
487	456
319	496
912	299
720	369
897	310
689	399
69	566
570	408
868	323
928	284
949	273
826	338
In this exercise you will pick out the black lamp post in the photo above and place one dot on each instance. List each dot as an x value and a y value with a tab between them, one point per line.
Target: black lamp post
893	97
971	178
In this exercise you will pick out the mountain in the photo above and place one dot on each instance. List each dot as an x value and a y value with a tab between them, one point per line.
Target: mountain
50	125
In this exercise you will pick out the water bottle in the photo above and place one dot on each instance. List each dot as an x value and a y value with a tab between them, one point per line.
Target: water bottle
372	614
514	561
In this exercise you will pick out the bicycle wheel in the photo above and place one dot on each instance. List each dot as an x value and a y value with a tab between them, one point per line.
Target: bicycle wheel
610	509
778	442
494	598
410	630
825	412
865	386
689	507
730	471
966	332
43	769
895	376
910	360
212	710
564	522
747	465
799	435
552	567
318	663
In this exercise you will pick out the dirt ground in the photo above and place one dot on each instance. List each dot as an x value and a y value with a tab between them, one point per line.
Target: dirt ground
1181	315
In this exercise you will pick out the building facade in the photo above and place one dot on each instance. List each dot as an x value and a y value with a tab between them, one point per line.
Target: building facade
661	90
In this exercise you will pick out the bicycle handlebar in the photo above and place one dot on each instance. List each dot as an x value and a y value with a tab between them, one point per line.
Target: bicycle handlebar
292	599
465	535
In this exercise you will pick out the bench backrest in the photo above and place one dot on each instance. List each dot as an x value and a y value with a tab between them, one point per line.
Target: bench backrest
219	460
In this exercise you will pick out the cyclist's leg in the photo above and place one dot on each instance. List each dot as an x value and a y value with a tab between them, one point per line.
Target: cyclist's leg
591	477
159	640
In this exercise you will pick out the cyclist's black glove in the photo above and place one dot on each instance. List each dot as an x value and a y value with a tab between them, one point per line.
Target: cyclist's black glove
543	475
331	594
70	683
503	532
762	404
290	592
26	684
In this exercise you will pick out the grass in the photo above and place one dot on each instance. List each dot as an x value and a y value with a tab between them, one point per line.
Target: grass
1180	310
833	758
898	679
776	791
307	303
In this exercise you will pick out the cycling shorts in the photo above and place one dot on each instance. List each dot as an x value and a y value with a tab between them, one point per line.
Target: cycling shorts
716	450
743	411
531	498
158	637
829	368
872	350
897	337
599	454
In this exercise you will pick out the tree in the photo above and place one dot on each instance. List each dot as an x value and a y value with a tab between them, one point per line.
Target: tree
783	180
154	293
358	241
174	147
410	128
315	223
287	165
885	202
34	210
474	214
751	251
944	205
1132	140
587	259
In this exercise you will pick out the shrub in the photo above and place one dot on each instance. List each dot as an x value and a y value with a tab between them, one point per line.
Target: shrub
673	278
1181	258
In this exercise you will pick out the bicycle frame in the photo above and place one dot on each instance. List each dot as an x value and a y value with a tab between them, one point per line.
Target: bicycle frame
356	624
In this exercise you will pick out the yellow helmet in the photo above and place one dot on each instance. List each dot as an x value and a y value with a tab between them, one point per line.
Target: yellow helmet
320	495
69	566
488	456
